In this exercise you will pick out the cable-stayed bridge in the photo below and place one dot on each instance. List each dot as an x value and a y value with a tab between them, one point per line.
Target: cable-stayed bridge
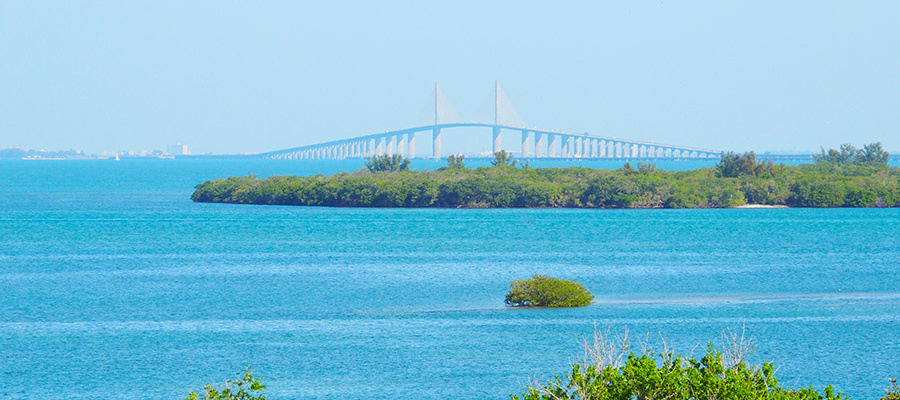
531	142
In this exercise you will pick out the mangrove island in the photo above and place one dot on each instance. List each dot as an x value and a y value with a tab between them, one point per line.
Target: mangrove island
845	177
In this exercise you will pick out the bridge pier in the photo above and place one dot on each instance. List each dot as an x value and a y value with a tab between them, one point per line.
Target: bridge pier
525	143
497	144
391	145
539	144
436	142
554	145
564	147
411	144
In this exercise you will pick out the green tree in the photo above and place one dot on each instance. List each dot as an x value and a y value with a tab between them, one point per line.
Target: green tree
646	168
455	161
845	155
544	291
873	154
387	162
503	158
733	165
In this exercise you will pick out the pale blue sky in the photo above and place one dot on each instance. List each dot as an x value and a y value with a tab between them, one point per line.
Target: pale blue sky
227	77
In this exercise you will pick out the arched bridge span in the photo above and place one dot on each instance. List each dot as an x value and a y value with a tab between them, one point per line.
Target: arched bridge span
534	142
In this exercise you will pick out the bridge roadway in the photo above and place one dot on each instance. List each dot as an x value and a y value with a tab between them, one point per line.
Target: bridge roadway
546	143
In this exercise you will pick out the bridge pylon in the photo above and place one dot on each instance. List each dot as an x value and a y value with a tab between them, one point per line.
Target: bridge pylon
498	144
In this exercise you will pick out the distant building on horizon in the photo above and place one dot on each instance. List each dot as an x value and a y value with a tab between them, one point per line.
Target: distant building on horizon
178	149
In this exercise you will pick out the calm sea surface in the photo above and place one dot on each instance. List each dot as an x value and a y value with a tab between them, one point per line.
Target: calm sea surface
113	284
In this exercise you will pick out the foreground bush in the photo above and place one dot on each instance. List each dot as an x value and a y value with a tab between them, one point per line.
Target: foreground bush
608	374
544	291
246	388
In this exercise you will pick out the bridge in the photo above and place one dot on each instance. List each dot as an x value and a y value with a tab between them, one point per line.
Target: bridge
532	142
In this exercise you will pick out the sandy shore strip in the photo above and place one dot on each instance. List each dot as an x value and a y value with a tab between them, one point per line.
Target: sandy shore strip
761	206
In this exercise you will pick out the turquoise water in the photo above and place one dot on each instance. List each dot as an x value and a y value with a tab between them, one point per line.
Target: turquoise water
115	285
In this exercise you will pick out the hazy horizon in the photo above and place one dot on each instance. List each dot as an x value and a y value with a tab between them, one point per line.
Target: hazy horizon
232	77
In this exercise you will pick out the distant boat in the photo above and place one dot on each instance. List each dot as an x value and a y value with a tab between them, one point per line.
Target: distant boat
117	157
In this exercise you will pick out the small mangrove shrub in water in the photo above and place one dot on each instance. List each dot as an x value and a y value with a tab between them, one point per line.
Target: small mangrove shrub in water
544	291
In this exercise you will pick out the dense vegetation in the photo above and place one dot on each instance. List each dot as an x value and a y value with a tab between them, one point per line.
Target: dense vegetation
669	376
839	178
611	371
544	291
